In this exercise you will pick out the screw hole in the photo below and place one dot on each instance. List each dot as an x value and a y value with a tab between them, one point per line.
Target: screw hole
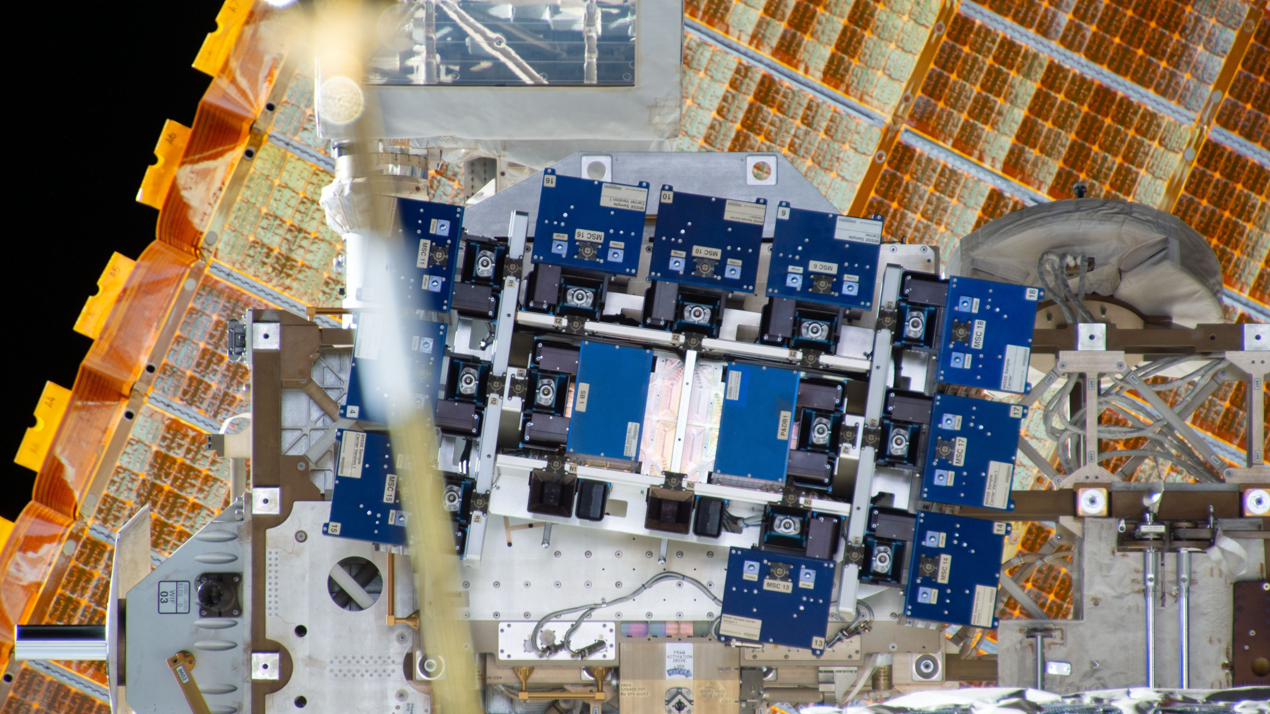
151	368
301	702
250	153
301	630
270	106
128	415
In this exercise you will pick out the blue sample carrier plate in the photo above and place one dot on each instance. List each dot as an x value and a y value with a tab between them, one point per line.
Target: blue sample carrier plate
824	257
429	235
988	329
971	451
755	424
371	396
707	241
365	505
594	225
778	599
609	398
955	569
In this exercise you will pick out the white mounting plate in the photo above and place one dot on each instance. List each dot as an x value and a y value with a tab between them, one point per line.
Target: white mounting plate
513	641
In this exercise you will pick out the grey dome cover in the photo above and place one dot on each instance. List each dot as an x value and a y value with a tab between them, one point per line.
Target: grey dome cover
1146	257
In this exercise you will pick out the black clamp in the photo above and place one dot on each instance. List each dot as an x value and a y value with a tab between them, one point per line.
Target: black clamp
575	325
588	251
888	320
793	497
439	255
848	433
494	385
519	388
480	502
674	481
822	284
692	341
944	449
872	437
705	268
811	358
512	267
855	554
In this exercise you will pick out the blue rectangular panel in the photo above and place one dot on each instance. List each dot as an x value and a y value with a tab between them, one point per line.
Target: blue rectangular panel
970	455
595	225
955	569
370	395
988	334
609	399
778	599
824	257
365	505
429	235
754	428
707	241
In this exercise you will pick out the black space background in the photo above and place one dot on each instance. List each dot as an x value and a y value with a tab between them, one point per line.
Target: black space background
74	164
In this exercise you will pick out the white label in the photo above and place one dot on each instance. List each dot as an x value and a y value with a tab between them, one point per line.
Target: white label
667	196
180	672
817	643
820	266
796	269
945	568
632	440
369	327
1014	372
174	597
778	586
627	198
999	528
782	213
353	411
782	429
701	251
617	244
734	385
959	451
858	230
974	305
678	254
996	492
352	453
985	605
734	261
746	628
1016	411
390	488
1032	294
943	539
549	180
976	342
743	212
584	391
588	236
425	247
333	528
559	236
678	658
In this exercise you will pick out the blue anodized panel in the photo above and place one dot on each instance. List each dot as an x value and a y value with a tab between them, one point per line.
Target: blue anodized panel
970	455
707	241
609	399
988	330
370	394
595	225
429	235
365	505
824	257
955	569
778	599
754	427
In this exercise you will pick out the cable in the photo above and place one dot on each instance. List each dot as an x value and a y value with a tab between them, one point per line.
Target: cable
588	609
224	428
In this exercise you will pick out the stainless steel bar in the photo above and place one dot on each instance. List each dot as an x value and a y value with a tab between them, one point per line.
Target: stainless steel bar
1039	640
1184	616
1149	570
60	642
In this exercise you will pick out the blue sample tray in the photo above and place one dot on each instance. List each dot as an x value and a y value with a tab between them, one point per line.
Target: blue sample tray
370	395
609	398
970	455
707	241
955	569
824	257
997	321
429	235
789	609
365	504
754	427
595	225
